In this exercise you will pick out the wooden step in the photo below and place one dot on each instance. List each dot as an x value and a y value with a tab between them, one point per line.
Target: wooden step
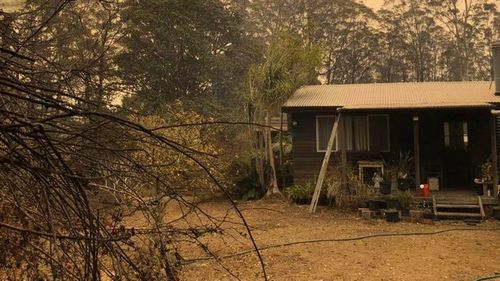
462	215
459	209
457	206
459	201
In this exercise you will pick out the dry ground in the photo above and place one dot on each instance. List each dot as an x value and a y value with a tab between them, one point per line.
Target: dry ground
461	255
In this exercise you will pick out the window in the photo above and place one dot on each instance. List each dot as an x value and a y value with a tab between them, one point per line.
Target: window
378	132
456	135
324	126
356	133
363	132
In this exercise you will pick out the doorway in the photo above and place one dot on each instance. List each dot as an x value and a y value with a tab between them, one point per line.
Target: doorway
456	154
445	150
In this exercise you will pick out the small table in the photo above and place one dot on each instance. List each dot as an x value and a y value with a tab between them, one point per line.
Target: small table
485	185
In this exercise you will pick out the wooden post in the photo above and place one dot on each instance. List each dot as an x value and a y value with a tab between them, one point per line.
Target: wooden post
416	149
281	138
494	155
324	166
343	154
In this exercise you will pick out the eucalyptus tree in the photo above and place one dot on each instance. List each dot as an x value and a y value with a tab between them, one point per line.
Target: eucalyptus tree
81	41
392	62
470	35
413	41
346	31
196	51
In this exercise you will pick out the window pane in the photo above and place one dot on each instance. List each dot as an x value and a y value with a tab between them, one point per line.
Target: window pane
456	135
466	134
446	134
378	132
360	133
324	129
348	132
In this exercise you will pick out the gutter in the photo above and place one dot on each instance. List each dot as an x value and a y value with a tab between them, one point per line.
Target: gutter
347	108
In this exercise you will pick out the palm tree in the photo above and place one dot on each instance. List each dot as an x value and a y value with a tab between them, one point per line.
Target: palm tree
288	65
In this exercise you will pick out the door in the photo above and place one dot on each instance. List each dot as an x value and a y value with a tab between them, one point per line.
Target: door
456	154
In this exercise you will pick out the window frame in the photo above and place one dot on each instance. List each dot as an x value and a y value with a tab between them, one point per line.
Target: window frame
335	148
465	135
367	116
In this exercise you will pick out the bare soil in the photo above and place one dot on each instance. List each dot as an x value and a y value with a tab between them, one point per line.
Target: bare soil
460	255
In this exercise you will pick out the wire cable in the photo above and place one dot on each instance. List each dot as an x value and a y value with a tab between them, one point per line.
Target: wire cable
188	261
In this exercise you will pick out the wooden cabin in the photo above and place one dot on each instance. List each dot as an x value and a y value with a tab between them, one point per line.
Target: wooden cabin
449	128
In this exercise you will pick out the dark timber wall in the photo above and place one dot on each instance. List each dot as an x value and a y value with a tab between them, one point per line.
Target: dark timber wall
464	165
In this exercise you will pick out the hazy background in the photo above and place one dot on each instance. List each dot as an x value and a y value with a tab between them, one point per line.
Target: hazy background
9	5
375	4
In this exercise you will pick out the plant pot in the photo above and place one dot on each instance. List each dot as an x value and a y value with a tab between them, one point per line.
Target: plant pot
302	201
405	212
417	215
404	184
374	205
392	215
479	189
392	204
385	188
323	201
428	214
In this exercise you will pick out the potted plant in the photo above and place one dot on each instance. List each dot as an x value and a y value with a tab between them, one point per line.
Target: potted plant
398	170
385	188
391	202
403	170
392	215
374	205
484	176
405	200
486	169
417	214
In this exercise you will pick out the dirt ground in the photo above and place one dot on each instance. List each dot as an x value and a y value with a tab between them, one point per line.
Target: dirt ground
460	255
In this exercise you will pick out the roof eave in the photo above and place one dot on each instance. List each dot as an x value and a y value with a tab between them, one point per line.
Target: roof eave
362	108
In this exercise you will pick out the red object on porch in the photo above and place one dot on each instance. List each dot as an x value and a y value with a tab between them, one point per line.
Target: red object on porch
425	189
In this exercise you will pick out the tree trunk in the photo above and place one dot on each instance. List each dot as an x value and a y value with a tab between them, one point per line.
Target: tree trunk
259	162
273	181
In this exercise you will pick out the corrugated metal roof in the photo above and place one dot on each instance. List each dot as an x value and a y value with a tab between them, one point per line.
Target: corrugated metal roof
395	95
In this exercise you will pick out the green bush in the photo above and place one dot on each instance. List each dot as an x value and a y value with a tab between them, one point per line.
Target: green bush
303	193
405	199
300	192
244	177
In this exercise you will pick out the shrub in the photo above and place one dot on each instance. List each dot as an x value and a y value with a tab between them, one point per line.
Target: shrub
298	193
351	195
303	194
244	177
405	199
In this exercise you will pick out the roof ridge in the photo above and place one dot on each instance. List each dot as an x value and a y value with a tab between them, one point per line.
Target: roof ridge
399	83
